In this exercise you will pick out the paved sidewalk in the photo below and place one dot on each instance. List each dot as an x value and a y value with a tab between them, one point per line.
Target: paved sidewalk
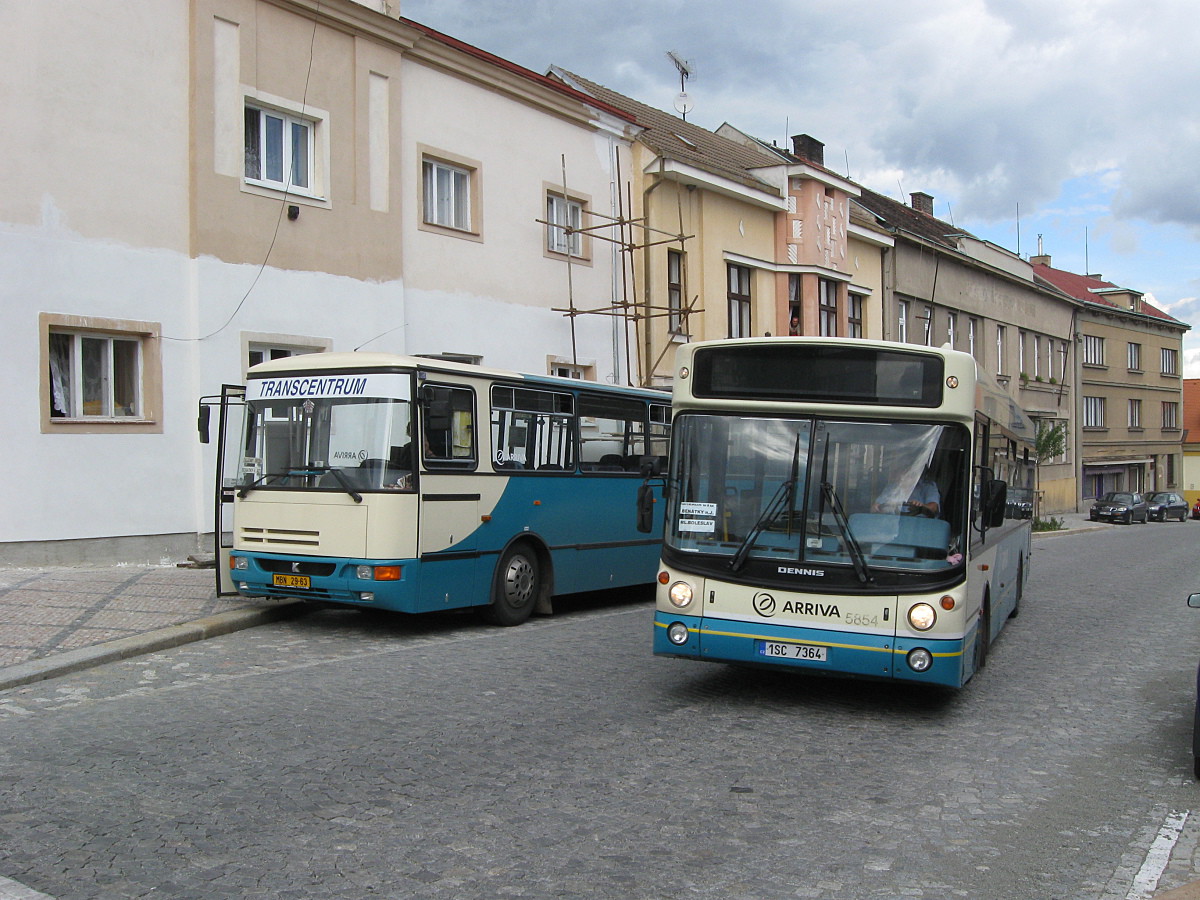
64	619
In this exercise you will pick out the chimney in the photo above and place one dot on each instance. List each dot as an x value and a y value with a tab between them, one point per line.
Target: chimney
808	148
1042	259
922	202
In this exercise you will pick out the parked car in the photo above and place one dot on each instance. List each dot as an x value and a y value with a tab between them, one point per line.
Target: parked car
1120	506
1163	505
1196	510
1019	504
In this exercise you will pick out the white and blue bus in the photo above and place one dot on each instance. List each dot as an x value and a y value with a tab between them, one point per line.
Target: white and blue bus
416	484
838	506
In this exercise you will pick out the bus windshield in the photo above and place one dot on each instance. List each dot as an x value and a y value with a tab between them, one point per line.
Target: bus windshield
870	496
326	443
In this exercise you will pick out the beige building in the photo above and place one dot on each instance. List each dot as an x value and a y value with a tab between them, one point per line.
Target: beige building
732	237
233	180
1130	397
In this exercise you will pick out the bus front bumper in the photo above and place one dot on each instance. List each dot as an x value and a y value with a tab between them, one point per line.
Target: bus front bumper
379	584
813	650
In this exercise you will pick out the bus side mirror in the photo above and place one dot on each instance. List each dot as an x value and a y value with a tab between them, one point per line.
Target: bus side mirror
651	466
997	497
645	509
202	422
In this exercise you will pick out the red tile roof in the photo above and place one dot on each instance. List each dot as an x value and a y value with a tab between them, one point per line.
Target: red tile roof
1085	288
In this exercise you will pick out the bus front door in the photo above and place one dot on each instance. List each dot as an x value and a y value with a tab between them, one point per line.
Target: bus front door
231	413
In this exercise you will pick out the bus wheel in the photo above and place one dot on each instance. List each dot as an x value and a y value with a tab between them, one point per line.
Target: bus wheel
983	635
515	587
1016	610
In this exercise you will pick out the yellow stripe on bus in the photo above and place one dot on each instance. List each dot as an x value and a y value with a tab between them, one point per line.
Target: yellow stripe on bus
764	637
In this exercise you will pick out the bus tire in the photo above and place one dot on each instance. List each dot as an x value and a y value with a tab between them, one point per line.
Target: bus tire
1016	610
516	586
983	634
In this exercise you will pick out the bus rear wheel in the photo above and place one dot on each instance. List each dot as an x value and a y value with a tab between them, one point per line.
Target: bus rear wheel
516	586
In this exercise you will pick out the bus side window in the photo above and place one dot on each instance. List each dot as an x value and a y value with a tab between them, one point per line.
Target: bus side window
448	433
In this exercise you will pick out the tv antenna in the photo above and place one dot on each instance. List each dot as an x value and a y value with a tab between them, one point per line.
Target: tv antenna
683	103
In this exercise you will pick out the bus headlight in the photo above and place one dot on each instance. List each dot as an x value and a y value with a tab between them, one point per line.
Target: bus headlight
920	660
922	617
680	595
239	562
677	633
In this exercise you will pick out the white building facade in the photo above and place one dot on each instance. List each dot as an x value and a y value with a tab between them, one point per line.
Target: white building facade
194	185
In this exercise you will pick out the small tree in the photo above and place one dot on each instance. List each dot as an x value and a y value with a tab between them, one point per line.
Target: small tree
1051	441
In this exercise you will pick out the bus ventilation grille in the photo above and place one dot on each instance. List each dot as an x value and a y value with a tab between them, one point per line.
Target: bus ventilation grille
281	537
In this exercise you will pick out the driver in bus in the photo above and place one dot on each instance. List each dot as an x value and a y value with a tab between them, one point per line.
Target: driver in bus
923	500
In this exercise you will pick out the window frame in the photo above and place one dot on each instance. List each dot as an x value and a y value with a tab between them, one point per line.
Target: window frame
1135	413
675	290
1093	350
1170	415
558	243
1134	357
431	159
739	287
317	122
147	335
1168	360
827	307
854	314
1095	412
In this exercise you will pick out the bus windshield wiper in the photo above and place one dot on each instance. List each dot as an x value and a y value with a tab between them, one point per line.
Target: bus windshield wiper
861	568
247	488
341	479
782	500
338	475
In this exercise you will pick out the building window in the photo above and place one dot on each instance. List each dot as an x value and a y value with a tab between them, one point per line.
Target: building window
1170	459
279	149
1093	350
972	331
828	308
1022	347
102	372
927	326
561	367
675	291
1170	361
447	195
1093	412
902	321
1135	413
794	327
952	330
564	214
739	301
1135	356
854	316
1000	336
1062	352
1170	414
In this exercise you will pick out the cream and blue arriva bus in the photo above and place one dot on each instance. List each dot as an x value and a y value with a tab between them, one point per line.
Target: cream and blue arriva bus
838	506
416	484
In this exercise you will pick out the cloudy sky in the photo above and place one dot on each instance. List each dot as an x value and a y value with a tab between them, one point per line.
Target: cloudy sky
1075	120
